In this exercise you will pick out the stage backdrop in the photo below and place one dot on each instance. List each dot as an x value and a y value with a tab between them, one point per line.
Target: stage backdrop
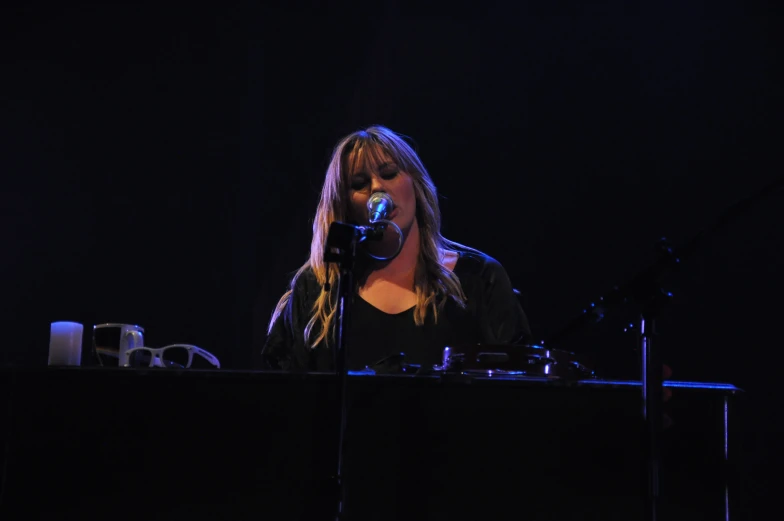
161	164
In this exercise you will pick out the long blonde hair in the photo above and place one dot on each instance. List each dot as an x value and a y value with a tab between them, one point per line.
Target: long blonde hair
434	284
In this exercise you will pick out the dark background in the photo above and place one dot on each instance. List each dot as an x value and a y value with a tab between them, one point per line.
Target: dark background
161	164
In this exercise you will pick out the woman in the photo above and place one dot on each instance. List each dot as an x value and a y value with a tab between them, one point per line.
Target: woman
434	293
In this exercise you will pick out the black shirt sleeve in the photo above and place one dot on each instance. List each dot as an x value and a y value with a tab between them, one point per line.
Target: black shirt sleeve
285	347
502	319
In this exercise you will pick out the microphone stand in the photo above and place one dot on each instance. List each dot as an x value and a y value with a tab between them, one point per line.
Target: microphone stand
644	289
341	248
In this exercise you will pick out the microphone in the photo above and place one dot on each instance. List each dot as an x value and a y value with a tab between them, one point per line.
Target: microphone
380	205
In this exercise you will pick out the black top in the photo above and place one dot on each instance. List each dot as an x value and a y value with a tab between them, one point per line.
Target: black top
492	315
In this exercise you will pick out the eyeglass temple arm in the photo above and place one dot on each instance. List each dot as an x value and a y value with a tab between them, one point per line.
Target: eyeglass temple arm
198	350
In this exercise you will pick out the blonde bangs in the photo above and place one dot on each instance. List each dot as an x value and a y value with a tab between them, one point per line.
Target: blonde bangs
364	156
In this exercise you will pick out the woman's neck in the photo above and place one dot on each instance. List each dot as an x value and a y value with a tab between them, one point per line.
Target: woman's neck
402	269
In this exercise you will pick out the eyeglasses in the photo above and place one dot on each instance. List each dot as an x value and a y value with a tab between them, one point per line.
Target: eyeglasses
175	356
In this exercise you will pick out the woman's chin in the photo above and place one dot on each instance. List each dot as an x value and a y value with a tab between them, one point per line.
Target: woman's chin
387	246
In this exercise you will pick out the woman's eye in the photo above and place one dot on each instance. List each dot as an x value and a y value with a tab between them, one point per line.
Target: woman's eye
359	184
389	175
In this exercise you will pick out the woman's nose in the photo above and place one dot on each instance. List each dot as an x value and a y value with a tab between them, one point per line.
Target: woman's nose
377	184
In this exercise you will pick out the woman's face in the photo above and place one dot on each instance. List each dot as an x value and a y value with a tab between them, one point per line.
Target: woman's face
379	173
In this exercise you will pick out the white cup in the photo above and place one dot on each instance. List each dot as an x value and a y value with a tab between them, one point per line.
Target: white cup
65	343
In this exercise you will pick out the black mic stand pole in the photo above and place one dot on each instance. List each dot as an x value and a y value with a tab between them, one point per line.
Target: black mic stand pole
652	376
341	248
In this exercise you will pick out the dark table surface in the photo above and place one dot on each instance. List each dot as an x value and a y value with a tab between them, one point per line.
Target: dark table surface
97	443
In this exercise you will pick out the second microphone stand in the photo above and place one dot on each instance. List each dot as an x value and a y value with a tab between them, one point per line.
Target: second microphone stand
645	291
